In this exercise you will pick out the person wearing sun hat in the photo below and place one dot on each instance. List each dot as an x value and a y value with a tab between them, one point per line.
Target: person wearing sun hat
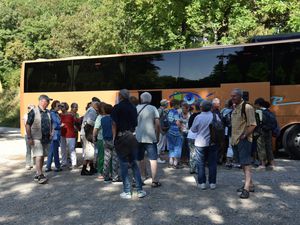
162	144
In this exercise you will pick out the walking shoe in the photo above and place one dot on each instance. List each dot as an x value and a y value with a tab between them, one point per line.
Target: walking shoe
125	195
36	177
161	161
141	193
58	170
86	173
116	180
202	186
107	181
28	167
212	186
93	170
178	166
42	179
48	170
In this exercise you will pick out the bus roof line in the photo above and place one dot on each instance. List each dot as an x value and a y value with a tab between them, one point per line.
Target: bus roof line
163	51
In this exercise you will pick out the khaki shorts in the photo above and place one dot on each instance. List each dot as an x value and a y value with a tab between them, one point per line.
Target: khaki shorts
39	149
88	149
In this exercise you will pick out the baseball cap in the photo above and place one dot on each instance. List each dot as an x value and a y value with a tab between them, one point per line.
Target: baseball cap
164	102
45	97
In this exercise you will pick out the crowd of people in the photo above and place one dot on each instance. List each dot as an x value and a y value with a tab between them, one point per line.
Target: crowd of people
121	137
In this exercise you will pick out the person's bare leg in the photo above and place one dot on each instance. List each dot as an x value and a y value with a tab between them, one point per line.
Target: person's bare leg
39	162
142	165
153	164
248	178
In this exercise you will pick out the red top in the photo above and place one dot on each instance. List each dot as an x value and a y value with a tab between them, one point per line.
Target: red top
67	130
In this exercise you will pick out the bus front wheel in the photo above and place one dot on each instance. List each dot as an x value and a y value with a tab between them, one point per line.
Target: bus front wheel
291	141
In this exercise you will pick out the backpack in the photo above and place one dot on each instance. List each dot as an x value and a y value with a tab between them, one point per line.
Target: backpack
164	121
269	122
216	130
243	113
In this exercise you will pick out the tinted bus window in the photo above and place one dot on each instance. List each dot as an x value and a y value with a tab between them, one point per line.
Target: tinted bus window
201	68
247	64
286	63
48	76
157	71
98	74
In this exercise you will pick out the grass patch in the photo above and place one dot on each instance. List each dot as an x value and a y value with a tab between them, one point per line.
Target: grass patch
10	107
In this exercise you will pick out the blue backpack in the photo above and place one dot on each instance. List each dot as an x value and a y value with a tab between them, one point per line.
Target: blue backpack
269	122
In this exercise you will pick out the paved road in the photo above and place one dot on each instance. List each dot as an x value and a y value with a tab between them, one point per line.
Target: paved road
69	198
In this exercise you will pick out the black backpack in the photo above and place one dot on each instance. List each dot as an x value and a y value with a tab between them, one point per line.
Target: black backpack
217	132
164	122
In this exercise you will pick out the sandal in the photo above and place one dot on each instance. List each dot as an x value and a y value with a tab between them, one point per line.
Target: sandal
155	184
244	194
251	189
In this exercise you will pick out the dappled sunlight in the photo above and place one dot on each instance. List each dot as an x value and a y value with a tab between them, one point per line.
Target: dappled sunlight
249	204
162	215
74	213
123	221
266	195
21	191
190	180
7	219
110	188
290	188
213	214
265	187
185	212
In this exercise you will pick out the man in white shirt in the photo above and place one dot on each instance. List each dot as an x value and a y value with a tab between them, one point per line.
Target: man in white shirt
147	133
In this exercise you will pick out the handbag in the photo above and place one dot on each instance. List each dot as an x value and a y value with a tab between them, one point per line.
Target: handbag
125	144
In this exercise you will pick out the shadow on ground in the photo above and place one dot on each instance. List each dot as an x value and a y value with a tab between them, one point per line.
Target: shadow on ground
69	198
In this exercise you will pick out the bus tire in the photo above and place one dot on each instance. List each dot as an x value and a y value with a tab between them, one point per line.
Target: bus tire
291	141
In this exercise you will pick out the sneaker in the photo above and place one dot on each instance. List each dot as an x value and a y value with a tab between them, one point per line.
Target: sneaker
42	179
261	168
28	167
86	173
202	186
116	180
48	170
107	181
93	170
58	170
125	195
161	161
36	177
212	186
141	194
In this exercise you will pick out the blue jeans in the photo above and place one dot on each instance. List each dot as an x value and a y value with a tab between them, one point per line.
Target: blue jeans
124	164
208	154
53	153
174	145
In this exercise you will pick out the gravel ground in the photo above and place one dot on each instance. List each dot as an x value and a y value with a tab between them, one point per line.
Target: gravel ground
69	198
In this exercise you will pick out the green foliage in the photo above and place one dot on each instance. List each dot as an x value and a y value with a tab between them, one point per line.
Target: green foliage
10	107
31	29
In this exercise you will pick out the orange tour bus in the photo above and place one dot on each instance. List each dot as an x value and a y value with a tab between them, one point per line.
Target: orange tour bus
268	69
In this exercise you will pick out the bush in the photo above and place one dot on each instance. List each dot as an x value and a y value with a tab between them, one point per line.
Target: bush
10	107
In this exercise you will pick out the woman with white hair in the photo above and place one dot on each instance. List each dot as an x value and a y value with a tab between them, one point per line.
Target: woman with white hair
174	136
205	149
